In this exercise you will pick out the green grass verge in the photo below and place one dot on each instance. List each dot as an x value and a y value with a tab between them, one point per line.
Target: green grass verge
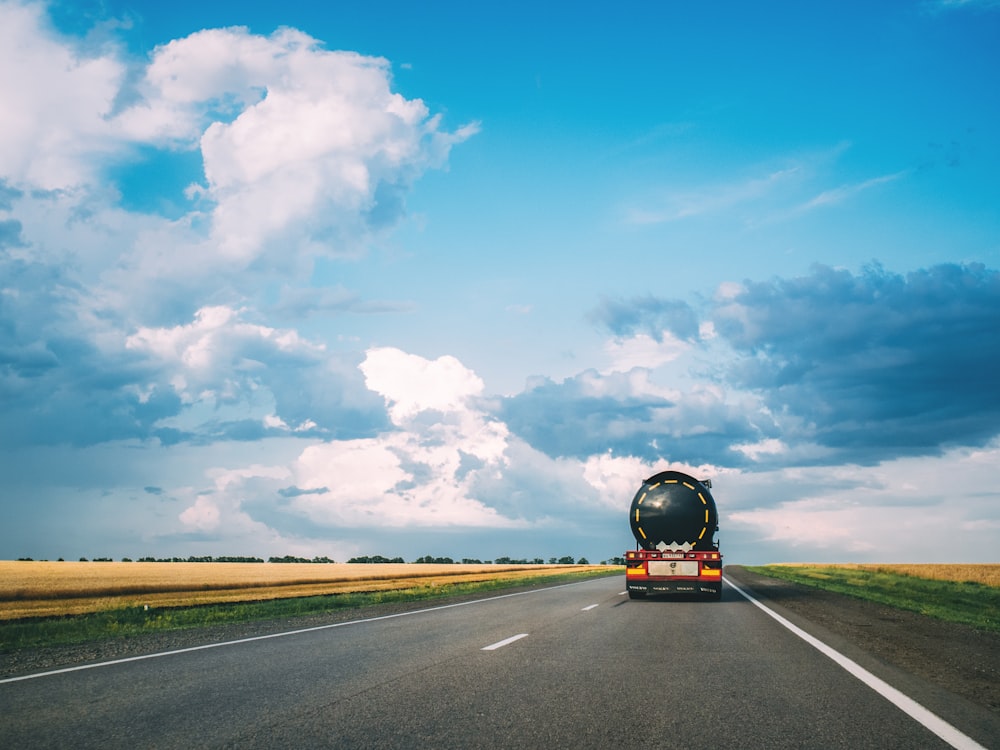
969	603
132	621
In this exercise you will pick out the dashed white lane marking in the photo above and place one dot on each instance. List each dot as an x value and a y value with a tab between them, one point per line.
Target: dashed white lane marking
622	593
590	607
284	633
904	703
504	642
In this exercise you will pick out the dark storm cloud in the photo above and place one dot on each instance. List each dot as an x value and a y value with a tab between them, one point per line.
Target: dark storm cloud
297	492
843	367
56	385
329	392
8	195
64	382
649	315
77	403
568	419
879	364
561	420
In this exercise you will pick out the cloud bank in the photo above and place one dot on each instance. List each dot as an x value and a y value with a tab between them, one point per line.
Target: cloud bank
165	388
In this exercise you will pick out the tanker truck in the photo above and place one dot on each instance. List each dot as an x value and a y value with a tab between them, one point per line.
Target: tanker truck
674	521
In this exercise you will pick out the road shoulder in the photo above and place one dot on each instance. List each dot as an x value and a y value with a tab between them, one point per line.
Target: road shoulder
951	669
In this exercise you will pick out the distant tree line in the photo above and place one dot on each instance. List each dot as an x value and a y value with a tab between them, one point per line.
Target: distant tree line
206	558
566	560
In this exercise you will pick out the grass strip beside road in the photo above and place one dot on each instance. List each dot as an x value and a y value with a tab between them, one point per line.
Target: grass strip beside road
125	622
966	602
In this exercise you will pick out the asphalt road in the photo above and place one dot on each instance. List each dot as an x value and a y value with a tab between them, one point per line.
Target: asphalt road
578	666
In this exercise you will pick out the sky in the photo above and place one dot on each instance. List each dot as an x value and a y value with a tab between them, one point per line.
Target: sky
452	279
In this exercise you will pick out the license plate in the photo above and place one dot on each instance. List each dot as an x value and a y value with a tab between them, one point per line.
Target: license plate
673	568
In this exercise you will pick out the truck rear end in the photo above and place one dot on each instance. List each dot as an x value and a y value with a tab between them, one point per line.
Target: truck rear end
658	572
674	522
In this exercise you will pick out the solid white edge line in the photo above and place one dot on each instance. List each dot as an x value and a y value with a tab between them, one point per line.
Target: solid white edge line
95	665
592	606
904	703
504	642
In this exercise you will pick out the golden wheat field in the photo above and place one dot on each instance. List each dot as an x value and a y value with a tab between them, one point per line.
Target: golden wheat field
987	573
36	589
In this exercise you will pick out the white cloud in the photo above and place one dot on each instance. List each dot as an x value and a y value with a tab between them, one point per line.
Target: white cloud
312	138
224	67
812	524
217	515
54	122
675	205
941	509
642	350
126	329
754	451
214	356
772	197
411	384
298	142
373	483
616	478
728	290
845	192
424	474
204	515
226	478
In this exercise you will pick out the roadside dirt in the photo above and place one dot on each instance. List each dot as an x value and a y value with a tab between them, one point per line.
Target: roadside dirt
961	659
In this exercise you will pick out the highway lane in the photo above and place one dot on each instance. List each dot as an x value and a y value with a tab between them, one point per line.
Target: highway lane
655	673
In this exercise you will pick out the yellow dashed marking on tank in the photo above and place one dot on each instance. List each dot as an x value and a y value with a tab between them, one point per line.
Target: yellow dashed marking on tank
641	499
702	498
637	515
706	514
667	481
654	486
642	532
689	486
703	532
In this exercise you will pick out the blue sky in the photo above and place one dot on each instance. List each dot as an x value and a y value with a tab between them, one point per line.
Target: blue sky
452	280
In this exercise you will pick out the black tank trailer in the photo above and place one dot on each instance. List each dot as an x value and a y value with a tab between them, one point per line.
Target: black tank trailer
674	521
